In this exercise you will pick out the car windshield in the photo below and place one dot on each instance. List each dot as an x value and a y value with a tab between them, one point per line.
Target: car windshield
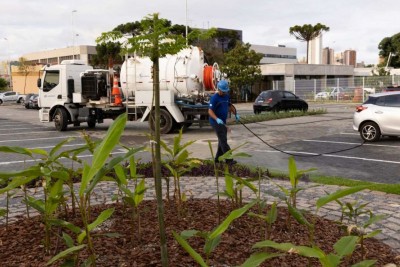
371	100
264	95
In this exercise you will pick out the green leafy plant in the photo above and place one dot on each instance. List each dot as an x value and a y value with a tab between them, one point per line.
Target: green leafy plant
133	199
213	238
71	253
353	211
179	163
269	218
234	186
342	248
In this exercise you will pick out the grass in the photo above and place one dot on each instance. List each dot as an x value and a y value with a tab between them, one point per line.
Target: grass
329	180
341	181
267	116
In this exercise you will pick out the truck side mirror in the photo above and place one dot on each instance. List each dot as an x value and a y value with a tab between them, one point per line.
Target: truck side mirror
39	82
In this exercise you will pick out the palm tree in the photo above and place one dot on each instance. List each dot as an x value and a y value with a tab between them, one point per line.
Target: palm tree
307	32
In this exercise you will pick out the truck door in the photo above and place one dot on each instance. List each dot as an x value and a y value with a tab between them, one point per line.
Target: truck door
51	88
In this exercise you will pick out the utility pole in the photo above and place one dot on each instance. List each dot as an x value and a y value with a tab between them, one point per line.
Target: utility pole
186	23
73	33
8	63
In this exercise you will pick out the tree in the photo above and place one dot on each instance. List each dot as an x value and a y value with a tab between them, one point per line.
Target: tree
390	45
3	83
380	71
107	54
155	40
242	66
307	32
25	67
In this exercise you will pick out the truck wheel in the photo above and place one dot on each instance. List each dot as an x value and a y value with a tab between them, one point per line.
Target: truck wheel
166	121
60	119
91	123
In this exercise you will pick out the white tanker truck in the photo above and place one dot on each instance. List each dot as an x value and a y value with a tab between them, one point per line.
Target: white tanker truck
72	92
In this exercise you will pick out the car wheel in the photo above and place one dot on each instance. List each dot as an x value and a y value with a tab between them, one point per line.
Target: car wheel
61	119
370	132
304	108
1	101
22	102
276	108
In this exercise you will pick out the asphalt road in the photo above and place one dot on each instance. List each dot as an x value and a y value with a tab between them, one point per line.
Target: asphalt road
325	142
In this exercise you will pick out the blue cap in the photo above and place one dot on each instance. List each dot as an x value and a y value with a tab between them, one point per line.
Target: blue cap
223	86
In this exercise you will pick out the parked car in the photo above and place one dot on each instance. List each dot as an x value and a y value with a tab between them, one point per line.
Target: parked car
33	102
378	116
278	100
11	97
322	96
391	89
26	101
336	93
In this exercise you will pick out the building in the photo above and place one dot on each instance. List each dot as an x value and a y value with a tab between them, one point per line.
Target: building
25	82
55	56
315	50
276	54
328	56
350	58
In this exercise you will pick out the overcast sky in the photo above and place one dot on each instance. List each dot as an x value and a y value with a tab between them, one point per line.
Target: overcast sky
36	25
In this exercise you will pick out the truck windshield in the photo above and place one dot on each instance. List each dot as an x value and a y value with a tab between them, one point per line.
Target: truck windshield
51	80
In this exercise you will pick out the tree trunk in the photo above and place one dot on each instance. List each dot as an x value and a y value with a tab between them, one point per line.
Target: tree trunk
157	175
308	43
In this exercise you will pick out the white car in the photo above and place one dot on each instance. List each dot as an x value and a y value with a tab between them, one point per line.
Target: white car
378	116
322	96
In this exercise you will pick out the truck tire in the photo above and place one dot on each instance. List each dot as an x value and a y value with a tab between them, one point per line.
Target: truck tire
166	121
60	119
91	123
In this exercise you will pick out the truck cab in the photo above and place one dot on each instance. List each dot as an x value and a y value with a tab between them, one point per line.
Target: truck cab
65	91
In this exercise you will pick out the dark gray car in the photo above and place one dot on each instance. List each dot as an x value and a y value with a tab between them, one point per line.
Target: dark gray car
277	100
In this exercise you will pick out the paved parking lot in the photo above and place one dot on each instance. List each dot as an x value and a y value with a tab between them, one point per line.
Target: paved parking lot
314	140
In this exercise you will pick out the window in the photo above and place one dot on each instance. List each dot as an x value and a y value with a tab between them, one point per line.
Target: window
51	80
289	95
392	101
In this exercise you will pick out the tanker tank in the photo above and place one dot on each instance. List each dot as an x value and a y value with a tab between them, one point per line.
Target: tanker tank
185	73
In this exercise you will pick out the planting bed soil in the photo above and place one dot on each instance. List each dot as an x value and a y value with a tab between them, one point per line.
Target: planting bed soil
22	243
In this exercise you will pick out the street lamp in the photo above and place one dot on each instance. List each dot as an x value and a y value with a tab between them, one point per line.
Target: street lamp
73	33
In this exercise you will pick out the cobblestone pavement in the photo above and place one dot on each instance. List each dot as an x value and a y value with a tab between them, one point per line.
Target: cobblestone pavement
206	187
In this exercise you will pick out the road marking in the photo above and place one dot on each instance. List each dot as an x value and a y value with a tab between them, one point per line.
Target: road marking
35	160
26	133
21	129
120	151
348	143
54	146
328	155
350	133
34	139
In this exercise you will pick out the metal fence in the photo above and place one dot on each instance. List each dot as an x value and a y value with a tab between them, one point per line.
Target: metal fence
355	89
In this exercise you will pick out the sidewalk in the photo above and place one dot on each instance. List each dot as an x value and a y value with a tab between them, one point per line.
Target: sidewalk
205	187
